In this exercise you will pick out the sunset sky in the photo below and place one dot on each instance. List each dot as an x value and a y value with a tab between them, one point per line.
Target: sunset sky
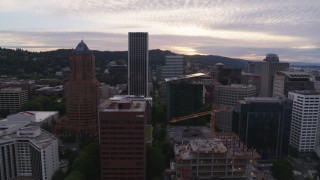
245	29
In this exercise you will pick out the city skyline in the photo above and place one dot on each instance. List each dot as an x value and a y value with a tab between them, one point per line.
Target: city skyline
236	28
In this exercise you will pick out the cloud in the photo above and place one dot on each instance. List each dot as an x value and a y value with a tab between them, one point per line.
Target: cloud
239	28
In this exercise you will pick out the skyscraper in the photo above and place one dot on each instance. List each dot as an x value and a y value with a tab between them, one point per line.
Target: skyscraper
305	125
82	94
269	67
263	123
122	138
138	62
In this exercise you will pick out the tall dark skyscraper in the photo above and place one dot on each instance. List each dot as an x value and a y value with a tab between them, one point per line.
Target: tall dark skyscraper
82	94
138	62
122	138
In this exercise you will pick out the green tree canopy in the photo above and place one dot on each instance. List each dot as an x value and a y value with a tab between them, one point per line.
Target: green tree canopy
282	170
75	175
155	162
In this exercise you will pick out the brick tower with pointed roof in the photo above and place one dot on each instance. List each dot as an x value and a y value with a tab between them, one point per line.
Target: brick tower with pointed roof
82	94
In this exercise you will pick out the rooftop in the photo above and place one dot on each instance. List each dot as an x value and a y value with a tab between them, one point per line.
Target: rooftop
306	92
295	74
225	143
236	86
82	47
248	100
185	77
122	105
11	90
8	127
42	115
43	140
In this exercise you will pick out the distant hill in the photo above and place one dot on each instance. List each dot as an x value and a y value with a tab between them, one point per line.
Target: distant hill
25	62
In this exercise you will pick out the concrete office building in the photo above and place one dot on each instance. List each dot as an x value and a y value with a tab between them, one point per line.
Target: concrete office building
269	67
305	125
173	67
28	85
285	81
263	123
138	64
27	151
82	94
11	99
228	96
122	139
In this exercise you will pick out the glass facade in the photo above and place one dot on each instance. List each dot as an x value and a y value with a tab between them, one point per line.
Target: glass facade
184	99
264	126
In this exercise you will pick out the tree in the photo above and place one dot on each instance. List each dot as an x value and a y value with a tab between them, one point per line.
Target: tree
58	175
318	168
282	170
155	162
167	151
75	175
88	161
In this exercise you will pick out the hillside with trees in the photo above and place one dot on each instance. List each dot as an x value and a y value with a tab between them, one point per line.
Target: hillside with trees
21	62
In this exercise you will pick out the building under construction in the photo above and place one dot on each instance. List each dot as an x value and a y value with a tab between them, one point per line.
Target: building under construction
223	156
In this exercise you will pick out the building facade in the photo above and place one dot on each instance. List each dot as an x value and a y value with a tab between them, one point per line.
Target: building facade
138	64
173	67
82	96
228	96
122	139
12	99
226	76
269	67
264	124
28	152
305	134
183	98
285	81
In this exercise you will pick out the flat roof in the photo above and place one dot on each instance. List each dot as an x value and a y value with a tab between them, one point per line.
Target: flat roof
122	105
42	115
185	77
261	99
9	127
295	74
11	89
306	92
44	140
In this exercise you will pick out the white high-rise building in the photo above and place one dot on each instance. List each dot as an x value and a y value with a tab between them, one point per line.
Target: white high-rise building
173	67
138	63
27	152
305	125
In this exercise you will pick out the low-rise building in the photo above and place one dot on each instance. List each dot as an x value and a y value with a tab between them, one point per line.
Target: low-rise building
11	99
